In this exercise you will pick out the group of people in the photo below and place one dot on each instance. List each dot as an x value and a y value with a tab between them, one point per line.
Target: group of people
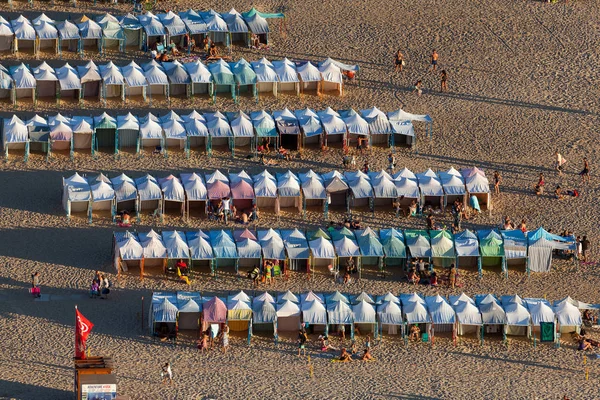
225	210
400	64
325	346
419	273
100	286
270	269
212	336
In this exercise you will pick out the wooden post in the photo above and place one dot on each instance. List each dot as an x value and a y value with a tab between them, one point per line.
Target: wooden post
142	313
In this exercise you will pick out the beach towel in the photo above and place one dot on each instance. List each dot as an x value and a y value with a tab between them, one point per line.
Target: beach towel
475	203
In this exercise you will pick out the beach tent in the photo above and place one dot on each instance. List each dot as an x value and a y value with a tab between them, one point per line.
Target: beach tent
515	248
174	131
61	135
248	248
24	83
15	136
389	315
265	189
288	315
491	248
310	77
257	23
478	188
197	133
264	313
297	249
333	79
179	80
288	191
393	247
157	79
339	313
46	82
238	30
313	190
163	315
541	312
468	317
113	83
442	248
224	249
128	131
518	319
149	193
337	190
365	316
25	36
135	80
418	244
454	187
432	192
7	35
177	247
322	252
154	30
214	311
443	317
112	32
200	249
415	312
76	194
242	192
568	317
402	126
379	126
384	188
69	82
333	125
132	31
266	77
91	79
189	306
155	252
223	78
216	27
408	190
39	134
245	77
219	131
173	194
242	129
195	192
345	248
217	186
314	313
288	296
126	195
272	244
361	192
467	249
175	27
371	248
91	34
388	297
310	124
151	132
6	84
82	133
492	314
194	24
264	126
287	125
541	247
200	77
103	197
105	133
128	251
47	34
287	75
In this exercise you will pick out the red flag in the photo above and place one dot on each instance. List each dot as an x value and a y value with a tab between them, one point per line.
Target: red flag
83	327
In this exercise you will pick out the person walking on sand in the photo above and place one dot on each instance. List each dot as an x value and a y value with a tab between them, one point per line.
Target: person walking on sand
35	279
585	172
225	338
434	60
167	374
302	338
560	162
444	81
399	61
497	182
585	249
418	88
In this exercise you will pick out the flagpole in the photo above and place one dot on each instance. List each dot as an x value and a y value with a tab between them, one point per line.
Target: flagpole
75	330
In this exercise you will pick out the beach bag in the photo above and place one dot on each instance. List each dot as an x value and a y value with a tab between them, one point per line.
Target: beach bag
403	63
105	291
35	291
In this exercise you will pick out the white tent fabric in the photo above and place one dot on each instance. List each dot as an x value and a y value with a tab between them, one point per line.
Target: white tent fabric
148	188
15	131
540	312
516	314
568	315
419	246
288	296
68	78
407	187
322	248
23	78
288	308
314	313
176	245
390	313
492	313
89	73
332	124
467	313
364	313
195	188
172	189
111	74
309	73
153	247
339	312
134	75
102	191
540	255
346	247
200	248
129	248
416	313
466	244
441	312
198	72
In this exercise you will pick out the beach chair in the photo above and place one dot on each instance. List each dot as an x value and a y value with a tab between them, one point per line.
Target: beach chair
183	277
157	214
333	272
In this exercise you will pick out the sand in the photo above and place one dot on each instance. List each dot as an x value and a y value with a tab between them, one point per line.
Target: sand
521	85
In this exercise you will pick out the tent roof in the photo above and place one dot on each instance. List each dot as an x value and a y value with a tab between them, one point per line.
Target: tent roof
442	244
200	248
466	244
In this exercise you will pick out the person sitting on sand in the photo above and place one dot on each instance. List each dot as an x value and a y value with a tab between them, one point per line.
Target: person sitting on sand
558	193
589	318
345	356
183	268
415	332
418	88
264	161
584	345
413	277
434	279
325	346
367	355
214	51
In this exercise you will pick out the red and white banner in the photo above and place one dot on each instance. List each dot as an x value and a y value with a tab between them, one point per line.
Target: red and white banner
83	327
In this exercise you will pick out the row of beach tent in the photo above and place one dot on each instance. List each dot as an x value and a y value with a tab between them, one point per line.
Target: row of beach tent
272	191
381	315
138	31
309	250
170	79
195	130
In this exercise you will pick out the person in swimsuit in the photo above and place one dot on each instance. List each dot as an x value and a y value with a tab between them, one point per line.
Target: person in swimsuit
434	60
585	172
539	188
497	181
399	61
444	81
345	356
367	355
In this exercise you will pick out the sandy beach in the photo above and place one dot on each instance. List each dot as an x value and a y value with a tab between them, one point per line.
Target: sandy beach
522	80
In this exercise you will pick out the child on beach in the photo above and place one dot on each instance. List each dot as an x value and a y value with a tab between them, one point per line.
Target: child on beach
497	182
418	88
167	374
444	81
585	172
